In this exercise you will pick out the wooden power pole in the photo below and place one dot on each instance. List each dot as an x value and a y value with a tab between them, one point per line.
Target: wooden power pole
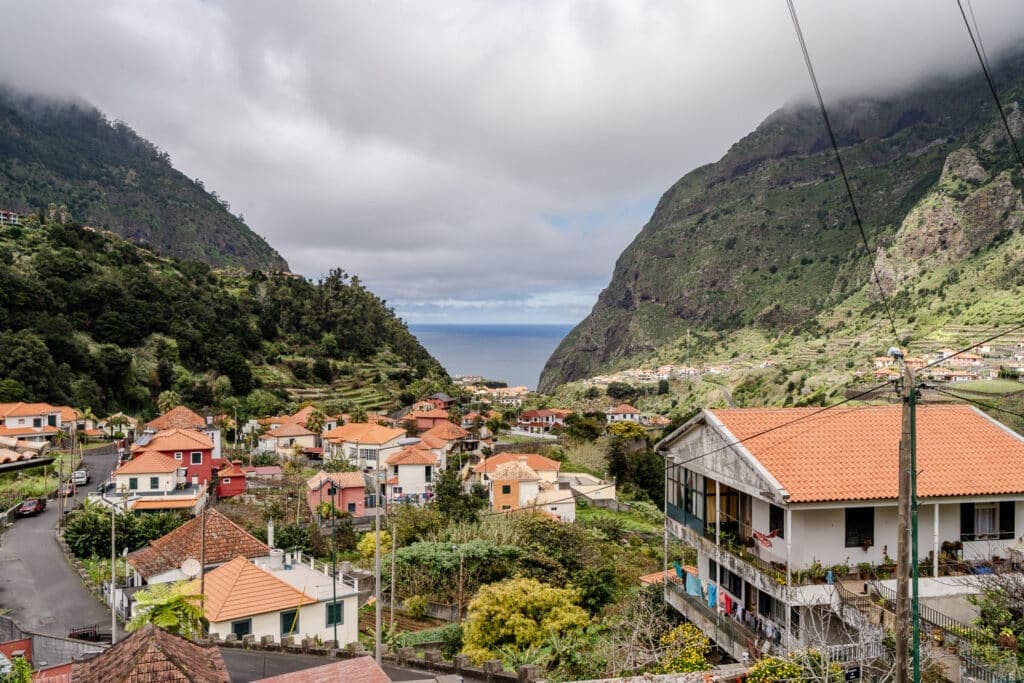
907	627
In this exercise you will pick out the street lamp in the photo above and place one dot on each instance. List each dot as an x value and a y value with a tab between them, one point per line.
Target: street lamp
333	491
113	564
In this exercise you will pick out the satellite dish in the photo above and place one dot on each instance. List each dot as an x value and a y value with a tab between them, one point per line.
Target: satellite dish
190	568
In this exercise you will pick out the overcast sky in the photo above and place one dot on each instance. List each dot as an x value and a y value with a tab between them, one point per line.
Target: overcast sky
470	161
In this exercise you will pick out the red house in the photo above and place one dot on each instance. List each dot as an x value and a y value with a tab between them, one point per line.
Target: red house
426	419
231	480
192	449
349	490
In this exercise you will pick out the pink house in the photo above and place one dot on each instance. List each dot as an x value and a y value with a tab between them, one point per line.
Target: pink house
347	490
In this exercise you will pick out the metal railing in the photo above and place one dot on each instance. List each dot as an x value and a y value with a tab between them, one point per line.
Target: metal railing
972	669
933	619
733	630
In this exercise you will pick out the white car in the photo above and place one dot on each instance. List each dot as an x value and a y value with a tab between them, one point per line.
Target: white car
80	477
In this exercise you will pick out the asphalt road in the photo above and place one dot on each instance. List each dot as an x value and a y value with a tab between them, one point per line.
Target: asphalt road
38	587
252	665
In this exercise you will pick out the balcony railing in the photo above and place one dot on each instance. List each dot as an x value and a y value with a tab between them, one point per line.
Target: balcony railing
733	630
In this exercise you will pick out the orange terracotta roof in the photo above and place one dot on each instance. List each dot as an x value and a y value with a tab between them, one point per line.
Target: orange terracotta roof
449	431
514	471
536	462
173	440
358	670
149	463
241	589
345	480
289	429
852	453
230	470
152	654
410	455
27	431
160	503
670	574
224	541
301	416
26	409
435	414
364	433
427	442
623	409
179	417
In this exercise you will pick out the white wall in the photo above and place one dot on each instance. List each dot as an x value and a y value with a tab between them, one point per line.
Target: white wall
312	623
413	478
167	481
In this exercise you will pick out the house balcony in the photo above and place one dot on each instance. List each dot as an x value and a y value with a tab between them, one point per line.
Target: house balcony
731	636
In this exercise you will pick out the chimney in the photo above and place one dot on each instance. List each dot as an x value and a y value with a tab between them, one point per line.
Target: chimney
270	533
276	560
209	420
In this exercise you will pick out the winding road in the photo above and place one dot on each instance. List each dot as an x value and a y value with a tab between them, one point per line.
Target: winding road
38	586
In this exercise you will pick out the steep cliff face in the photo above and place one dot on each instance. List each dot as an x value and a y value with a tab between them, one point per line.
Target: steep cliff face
765	237
106	176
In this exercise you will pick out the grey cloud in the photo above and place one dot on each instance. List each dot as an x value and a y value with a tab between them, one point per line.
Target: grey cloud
423	145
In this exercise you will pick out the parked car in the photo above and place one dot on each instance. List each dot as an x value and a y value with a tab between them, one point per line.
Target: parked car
31	507
80	477
68	489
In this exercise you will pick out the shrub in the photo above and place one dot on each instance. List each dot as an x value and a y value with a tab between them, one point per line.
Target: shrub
415	606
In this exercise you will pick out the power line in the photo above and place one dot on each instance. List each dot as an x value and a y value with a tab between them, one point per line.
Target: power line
842	167
977	32
991	84
981	404
976	345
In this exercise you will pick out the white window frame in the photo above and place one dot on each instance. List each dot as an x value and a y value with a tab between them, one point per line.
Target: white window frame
192	457
177	455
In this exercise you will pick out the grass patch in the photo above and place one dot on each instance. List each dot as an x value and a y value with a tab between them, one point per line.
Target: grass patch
990	386
629	521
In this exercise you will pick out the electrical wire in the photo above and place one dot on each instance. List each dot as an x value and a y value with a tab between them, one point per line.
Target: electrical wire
980	404
842	167
991	84
975	345
977	32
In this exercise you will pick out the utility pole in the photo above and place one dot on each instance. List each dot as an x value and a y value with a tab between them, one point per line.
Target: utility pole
376	559
394	544
907	622
113	575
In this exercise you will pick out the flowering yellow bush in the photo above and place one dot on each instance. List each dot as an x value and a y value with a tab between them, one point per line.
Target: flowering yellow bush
686	649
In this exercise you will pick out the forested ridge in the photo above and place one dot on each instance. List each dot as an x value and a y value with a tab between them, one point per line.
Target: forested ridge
90	319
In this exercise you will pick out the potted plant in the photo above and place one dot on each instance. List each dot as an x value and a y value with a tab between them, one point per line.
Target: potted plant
839	571
866	543
866	570
816	572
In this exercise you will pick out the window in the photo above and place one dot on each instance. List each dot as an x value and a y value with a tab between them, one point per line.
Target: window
730	581
506	489
694	503
177	455
335	613
133	483
289	622
368	453
776	520
394	471
21	420
506	507
154	483
197	457
987	521
37	422
860	526
427	472
226	480
241	628
351	507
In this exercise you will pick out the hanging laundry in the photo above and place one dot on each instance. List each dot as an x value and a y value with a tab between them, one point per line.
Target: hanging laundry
693	585
712	595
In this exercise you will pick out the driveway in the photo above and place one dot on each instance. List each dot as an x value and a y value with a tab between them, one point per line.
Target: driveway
38	587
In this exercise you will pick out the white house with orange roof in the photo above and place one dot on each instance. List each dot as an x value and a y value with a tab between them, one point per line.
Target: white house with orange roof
32	415
772	498
182	417
151	482
623	413
362	443
411	473
513	485
283	439
279	596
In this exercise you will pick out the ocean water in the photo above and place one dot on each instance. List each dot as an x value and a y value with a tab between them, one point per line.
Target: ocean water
509	353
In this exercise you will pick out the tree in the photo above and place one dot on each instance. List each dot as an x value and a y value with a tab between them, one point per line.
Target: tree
455	415
627	429
620	391
167	400
518	614
454	504
367	546
170	606
21	671
357	414
686	649
631	461
496	424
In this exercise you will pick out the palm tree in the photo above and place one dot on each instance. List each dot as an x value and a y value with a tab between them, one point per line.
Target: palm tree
115	422
167	400
315	423
171	607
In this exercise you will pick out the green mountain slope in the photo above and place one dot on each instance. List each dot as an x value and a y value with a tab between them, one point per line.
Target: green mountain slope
763	241
61	154
90	319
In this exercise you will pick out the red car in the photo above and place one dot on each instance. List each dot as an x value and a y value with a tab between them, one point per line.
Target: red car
31	507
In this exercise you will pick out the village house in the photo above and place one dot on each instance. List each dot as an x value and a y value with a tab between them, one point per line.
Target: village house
546	468
284	439
119	422
38	415
181	417
186	448
555	502
411	473
151	482
279	596
231	480
441	401
362	443
346	490
543	420
513	485
623	413
801	496
426	419
8	217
